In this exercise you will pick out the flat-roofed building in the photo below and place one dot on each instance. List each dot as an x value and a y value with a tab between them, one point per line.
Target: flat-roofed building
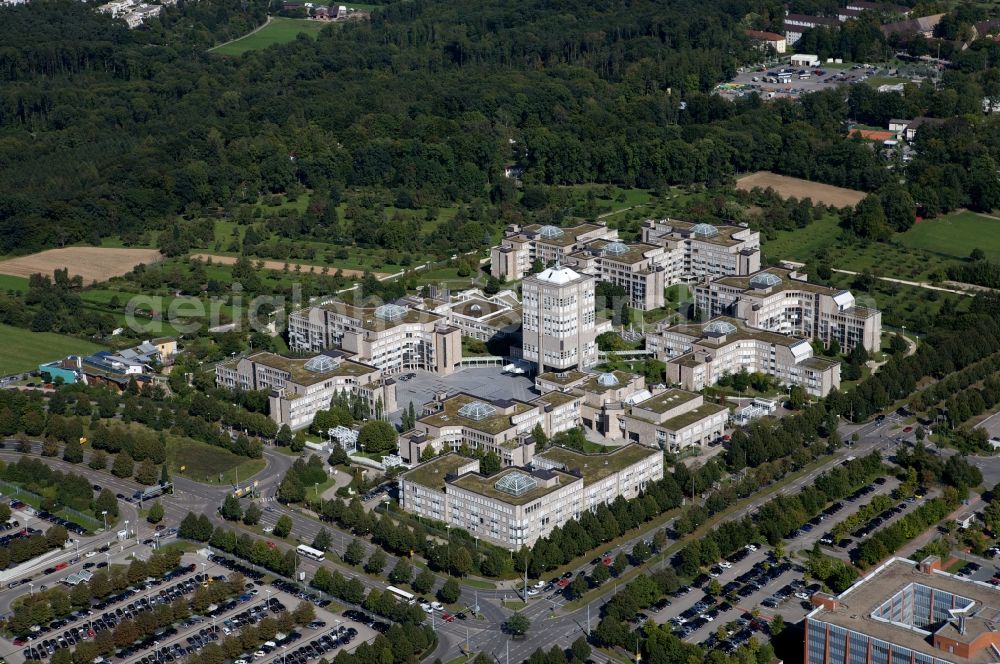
675	419
515	506
783	301
499	426
300	387
703	251
699	354
392	337
906	612
796	24
520	247
618	406
639	268
559	324
475	314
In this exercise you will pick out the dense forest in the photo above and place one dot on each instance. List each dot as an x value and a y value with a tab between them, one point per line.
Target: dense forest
110	132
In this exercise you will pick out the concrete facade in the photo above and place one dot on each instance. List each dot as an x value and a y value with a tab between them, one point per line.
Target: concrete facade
779	300
559	324
516	506
392	337
700	251
520	247
698	355
300	387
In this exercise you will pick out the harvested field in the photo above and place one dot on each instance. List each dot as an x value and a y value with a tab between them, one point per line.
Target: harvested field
280	265
789	187
91	263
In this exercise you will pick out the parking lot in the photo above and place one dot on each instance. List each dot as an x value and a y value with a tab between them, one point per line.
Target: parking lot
325	635
800	80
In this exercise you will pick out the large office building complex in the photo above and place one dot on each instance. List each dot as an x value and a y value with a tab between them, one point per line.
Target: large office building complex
559	324
704	251
640	269
671	252
300	387
515	506
906	613
779	300
392	337
699	354
521	247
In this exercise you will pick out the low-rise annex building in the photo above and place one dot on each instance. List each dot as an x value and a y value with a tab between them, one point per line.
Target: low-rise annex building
618	406
515	506
500	426
300	387
783	301
392	337
699	354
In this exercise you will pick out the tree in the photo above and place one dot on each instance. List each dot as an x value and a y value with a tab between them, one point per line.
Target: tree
777	625
322	541
123	465
73	451
98	460
284	437
868	220
423	582
291	490
402	572
490	463
450	591
106	501
541	440
355	552
304	613
600	575
517	625
580	650
155	514
231	510
283	526
376	562
252	514
377	436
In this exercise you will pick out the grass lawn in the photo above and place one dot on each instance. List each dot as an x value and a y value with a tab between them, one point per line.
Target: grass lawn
206	463
278	31
24	350
822	241
956	235
9	282
803	244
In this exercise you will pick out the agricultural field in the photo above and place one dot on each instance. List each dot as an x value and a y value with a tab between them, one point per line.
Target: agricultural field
91	263
206	463
278	30
789	187
955	235
24	350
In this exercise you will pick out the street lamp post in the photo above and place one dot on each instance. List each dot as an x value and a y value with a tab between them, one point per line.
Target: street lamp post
104	513
31	589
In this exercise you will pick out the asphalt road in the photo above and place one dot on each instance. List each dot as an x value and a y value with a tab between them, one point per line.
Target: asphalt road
552	623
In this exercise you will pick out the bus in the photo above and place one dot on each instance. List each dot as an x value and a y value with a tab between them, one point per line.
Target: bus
402	595
310	552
